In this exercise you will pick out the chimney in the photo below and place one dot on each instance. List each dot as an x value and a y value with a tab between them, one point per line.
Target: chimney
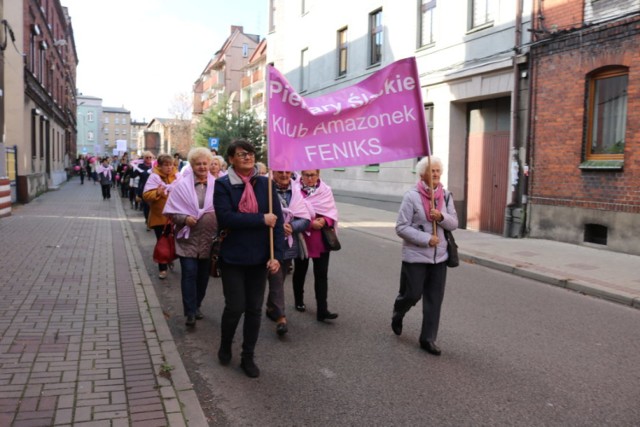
236	27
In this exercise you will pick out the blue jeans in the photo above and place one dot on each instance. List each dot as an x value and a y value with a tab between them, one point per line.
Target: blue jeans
194	282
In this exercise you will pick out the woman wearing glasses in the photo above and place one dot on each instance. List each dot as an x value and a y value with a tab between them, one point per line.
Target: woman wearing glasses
241	201
322	205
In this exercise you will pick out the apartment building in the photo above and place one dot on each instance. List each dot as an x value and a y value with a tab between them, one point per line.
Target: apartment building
39	66
116	130
585	123
89	113
253	83
472	59
221	79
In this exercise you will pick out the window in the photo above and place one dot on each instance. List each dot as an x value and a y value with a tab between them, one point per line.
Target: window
245	50
607	114
342	52
427	12
375	37
304	70
117	120
90	136
106	131
89	116
480	13
106	119
124	120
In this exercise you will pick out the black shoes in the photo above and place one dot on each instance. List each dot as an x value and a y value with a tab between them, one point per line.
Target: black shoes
191	321
281	327
396	324
224	353
301	308
327	315
199	315
430	347
249	367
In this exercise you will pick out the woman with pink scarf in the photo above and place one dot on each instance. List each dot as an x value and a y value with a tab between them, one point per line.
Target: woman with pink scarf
190	207
322	206
106	176
424	255
242	207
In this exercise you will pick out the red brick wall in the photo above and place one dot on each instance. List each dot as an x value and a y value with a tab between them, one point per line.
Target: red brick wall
558	120
560	14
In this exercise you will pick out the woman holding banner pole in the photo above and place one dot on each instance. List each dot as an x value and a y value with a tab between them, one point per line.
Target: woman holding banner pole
425	210
241	201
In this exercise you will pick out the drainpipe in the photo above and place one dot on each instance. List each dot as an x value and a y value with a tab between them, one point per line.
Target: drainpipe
513	214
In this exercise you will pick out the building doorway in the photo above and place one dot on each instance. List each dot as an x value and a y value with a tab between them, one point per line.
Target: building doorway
488	164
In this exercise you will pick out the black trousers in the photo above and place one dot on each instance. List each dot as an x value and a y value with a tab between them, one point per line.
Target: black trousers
243	287
320	276
106	191
426	281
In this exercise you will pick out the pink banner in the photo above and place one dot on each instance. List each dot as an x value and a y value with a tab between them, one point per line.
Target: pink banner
379	119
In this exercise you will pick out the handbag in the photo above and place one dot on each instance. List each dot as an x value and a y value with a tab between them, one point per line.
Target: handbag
452	249
214	269
165	249
452	246
330	238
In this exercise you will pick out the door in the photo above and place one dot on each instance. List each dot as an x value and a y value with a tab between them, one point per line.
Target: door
487	165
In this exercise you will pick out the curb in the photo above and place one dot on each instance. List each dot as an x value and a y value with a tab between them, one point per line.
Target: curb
180	401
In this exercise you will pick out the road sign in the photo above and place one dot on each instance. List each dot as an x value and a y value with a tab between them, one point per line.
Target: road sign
214	143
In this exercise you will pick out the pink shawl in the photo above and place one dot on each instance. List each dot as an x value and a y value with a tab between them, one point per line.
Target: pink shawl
183	200
154	181
321	202
297	208
106	170
425	196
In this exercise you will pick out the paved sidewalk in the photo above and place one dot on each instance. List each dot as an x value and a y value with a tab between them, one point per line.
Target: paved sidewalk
592	271
84	341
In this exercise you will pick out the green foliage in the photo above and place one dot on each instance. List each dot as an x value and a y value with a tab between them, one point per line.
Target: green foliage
221	122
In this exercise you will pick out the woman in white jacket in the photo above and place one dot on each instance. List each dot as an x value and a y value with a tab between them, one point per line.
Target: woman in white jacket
424	253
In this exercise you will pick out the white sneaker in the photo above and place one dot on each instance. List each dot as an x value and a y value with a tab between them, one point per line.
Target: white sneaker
162	275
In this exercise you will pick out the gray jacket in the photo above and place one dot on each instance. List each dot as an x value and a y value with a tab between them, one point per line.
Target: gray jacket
414	229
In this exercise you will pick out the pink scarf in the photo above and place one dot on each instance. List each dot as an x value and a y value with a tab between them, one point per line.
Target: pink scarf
155	180
425	195
183	200
297	208
321	202
248	202
106	170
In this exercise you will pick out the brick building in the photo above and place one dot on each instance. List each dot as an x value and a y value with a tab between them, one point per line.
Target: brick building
584	184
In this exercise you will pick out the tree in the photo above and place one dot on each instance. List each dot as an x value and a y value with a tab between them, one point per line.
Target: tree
223	123
181	106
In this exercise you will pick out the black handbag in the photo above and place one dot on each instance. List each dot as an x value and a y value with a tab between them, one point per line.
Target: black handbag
214	269
452	246
452	249
330	238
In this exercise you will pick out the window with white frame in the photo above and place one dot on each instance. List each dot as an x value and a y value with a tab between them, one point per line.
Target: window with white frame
90	136
607	114
375	37
480	13
342	51
90	116
427	13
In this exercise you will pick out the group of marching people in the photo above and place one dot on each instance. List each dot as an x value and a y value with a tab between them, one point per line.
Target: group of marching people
267	234
206	200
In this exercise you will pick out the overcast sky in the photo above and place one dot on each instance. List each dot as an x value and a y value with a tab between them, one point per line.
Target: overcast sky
138	54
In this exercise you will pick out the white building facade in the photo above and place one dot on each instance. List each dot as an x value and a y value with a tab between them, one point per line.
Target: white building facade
472	61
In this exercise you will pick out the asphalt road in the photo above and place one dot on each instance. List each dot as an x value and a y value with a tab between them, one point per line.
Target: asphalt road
515	352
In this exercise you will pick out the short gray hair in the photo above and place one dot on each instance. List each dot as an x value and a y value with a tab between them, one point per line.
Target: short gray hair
422	165
197	153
